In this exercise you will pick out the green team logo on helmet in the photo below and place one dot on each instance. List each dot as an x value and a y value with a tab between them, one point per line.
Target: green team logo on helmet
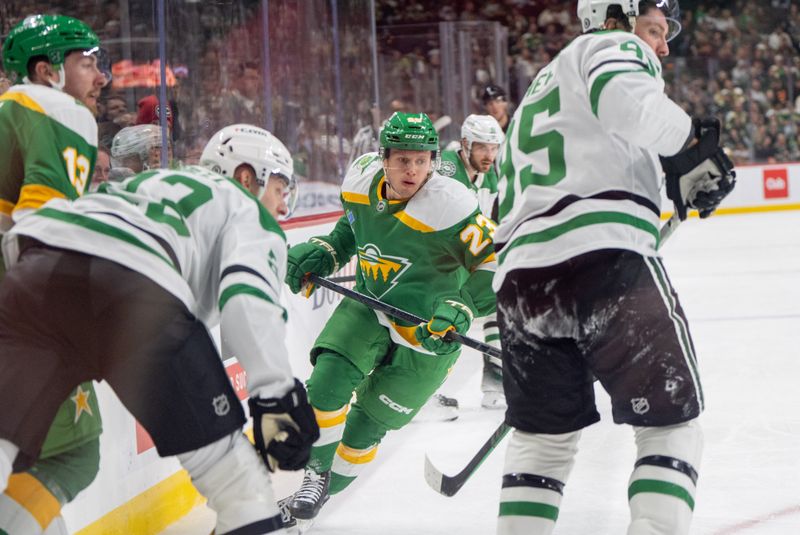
44	35
409	131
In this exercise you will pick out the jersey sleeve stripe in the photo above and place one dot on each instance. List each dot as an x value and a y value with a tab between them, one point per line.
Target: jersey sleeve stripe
32	196
102	228
602	80
356	198
238	268
641	64
158	239
23	100
592	218
409	221
246	289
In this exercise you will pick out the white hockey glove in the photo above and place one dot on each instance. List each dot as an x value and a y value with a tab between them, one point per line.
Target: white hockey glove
284	429
702	175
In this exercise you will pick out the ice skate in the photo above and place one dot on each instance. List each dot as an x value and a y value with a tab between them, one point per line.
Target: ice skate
438	408
306	503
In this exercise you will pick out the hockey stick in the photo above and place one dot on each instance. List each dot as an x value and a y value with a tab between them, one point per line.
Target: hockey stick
343	278
449	485
668	228
402	314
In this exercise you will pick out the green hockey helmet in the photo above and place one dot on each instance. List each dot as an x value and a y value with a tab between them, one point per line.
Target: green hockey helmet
409	131
52	36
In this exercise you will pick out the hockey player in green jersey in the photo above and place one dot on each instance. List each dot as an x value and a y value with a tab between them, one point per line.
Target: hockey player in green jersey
474	166
581	290
150	264
48	146
423	246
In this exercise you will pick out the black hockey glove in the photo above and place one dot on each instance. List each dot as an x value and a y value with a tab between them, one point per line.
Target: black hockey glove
702	175
284	429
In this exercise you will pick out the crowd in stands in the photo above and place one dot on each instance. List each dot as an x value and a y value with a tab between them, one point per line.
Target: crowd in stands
737	60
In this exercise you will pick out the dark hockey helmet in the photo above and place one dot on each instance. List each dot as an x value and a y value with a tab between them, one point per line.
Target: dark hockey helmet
493	92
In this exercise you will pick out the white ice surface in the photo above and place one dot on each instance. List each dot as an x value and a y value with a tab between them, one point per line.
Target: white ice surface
738	278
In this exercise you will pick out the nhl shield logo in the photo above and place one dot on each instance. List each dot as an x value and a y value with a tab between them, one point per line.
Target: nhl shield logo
447	168
221	405
380	271
640	405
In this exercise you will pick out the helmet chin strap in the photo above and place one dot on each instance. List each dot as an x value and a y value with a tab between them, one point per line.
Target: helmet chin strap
62	79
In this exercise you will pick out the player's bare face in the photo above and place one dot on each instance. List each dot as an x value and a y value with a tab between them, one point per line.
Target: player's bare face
406	171
83	79
497	108
653	29
482	156
274	196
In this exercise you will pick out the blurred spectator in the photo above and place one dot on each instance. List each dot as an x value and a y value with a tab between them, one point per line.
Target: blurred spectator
244	103
5	83
102	167
496	104
149	111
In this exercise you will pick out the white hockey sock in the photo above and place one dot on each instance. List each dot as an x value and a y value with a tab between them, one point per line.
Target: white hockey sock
233	477
663	483
8	452
331	425
536	469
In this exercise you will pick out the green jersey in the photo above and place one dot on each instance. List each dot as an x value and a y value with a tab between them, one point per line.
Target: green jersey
413	252
48	146
48	149
484	186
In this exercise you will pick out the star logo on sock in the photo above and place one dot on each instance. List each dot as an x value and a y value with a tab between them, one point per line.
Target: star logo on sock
81	401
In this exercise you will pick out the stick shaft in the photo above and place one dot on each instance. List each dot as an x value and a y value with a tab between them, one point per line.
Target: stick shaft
402	314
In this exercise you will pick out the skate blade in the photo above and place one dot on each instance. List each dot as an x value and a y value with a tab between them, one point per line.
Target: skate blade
300	527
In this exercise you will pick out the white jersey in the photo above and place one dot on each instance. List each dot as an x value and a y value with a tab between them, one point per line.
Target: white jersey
199	236
580	168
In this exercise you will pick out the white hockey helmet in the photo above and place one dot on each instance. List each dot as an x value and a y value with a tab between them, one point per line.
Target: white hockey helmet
593	13
483	129
239	144
136	141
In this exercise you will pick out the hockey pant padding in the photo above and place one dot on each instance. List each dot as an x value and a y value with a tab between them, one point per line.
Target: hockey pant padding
8	452
358	448
663	484
27	507
330	389
536	469
232	476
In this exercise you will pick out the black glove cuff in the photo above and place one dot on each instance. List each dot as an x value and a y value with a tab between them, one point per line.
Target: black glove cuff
293	399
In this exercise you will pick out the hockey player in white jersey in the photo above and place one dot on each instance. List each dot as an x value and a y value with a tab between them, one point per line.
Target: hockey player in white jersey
582	292
123	285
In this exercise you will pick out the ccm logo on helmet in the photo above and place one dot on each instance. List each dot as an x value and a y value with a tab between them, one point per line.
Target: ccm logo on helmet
394	405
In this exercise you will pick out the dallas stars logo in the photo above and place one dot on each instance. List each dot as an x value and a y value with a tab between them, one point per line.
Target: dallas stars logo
380	271
81	401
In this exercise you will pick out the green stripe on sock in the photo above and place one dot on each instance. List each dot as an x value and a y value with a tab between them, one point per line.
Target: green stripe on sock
322	457
492	338
660	487
541	510
339	483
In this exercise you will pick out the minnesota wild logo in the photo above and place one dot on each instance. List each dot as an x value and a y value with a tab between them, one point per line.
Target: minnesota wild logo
380	271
